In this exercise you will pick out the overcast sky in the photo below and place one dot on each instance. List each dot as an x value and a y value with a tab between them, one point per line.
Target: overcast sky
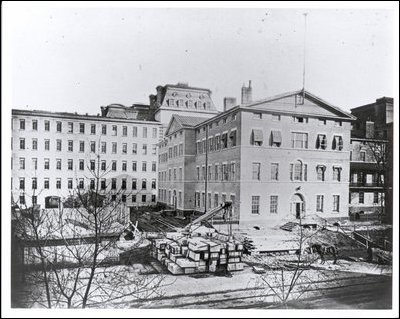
78	59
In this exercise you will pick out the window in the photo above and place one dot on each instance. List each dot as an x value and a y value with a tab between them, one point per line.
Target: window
59	127
276	138
154	149
34	200
34	125
113	183
224	140
274	171
34	183
103	147
376	197
171	102
124	166
300	119
336	200
46	183
103	165
299	99
124	148
22	124
134	148
217	142
114	165
144	135
81	165
298	171
362	156
21	183
34	143
92	165
337	143
255	204
46	163
175	151
124	131
273	204
134	131
70	146
299	140
257	137
81	146
58	183
58	163
181	175
276	117
70	127
144	183
336	173
93	129
133	198
47	125
321	142
134	183
320	203
338	123
22	199
153	184
70	183
134	166
154	135
256	171
216	170
144	166
321	121
198	173
233	171
113	198
22	163
321	173
58	145
103	184
114	148
123	183
47	145
144	198
114	130
104	129
361	197
21	143
34	163
82	128
225	172
153	166
93	147
257	116
70	164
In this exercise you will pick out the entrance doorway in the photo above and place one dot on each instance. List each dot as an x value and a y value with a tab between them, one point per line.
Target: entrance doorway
297	205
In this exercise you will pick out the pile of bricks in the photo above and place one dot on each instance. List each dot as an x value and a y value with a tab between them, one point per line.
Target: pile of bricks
198	254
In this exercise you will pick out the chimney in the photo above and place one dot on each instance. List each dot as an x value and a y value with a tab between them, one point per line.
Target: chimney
369	129
153	101
246	94
229	102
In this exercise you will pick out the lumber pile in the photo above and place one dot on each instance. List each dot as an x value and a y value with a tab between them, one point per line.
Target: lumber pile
202	252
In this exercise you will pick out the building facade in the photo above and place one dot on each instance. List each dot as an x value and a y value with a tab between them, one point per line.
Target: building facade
371	166
53	154
287	155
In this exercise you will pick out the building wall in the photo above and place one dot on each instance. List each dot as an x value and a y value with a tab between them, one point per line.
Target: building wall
76	155
285	155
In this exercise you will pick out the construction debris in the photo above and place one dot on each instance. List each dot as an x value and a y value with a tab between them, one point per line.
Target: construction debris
205	251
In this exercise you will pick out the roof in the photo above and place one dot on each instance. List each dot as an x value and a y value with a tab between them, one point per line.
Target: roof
183	121
185	86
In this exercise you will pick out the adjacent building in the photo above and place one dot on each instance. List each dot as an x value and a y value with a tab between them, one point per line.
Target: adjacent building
55	153
287	155
371	166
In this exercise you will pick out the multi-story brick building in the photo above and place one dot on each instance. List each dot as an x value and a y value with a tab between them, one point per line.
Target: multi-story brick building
55	153
284	155
371	166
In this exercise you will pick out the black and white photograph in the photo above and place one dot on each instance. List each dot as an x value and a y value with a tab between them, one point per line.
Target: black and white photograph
200	159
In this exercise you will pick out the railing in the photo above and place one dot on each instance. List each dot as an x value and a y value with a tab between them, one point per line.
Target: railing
365	184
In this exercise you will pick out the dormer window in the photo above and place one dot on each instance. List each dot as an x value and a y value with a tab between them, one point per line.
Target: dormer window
300	119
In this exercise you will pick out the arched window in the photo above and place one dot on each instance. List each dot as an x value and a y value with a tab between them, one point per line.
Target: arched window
298	171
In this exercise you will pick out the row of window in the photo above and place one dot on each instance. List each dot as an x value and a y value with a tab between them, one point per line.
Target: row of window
217	172
189	104
224	120
171	198
92	144
273	206
22	200
295	119
173	151
93	128
361	198
217	142
212	200
298	140
83	165
80	183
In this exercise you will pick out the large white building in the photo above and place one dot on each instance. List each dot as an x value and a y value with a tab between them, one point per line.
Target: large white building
53	154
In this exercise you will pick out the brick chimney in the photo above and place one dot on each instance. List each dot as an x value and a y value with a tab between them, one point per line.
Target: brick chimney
369	129
229	102
246	94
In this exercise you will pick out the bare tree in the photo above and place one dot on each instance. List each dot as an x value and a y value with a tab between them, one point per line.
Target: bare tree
80	267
